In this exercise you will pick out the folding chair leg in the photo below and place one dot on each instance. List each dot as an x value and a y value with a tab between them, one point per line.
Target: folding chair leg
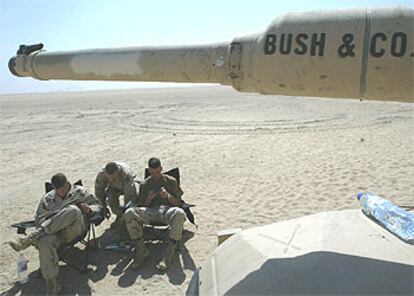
85	260
94	236
87	243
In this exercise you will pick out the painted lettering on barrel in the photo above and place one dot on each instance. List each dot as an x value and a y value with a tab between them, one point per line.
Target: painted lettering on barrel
300	44
270	44
375	50
285	45
397	47
318	42
346	49
313	44
398	44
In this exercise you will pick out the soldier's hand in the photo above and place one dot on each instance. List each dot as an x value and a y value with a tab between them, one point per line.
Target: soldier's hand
164	193
152	195
106	212
84	207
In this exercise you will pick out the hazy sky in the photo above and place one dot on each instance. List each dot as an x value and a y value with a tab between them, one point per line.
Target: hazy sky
75	24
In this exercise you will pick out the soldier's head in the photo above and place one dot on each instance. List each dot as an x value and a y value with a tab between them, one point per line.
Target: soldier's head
112	172
155	168
61	184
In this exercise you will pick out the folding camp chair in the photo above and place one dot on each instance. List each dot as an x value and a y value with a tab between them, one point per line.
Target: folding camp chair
84	238
159	230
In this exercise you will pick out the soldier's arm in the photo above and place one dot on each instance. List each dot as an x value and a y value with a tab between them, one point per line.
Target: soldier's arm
144	196
40	211
100	186
93	203
130	189
174	201
175	193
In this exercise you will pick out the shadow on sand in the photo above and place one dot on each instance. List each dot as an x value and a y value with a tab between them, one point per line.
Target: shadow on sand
175	273
73	282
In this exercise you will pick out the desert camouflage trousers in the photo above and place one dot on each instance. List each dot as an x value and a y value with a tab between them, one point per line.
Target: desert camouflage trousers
113	201
64	227
136	217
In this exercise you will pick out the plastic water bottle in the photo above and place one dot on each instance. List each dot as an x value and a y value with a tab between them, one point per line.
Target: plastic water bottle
394	218
22	272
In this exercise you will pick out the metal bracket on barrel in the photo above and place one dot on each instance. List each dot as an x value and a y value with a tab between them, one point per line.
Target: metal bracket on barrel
234	63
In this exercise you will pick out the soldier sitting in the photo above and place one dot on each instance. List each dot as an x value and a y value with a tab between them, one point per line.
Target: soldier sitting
158	202
114	180
61	217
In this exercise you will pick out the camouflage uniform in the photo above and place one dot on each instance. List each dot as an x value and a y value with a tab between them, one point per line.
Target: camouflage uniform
67	224
159	212
125	185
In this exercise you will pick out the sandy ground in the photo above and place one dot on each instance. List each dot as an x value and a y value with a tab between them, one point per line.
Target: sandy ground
246	160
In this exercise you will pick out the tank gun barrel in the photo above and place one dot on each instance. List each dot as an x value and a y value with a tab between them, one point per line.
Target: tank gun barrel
359	53
197	64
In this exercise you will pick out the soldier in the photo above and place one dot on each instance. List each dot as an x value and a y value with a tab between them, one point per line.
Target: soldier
114	180
61	217
158	202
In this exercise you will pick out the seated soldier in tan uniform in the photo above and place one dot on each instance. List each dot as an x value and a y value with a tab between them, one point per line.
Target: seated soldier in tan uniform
61	217
114	180
158	202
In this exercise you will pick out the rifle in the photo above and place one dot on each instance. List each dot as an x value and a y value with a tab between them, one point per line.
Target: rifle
95	217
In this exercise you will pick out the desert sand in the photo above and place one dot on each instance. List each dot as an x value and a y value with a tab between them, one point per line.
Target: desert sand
245	159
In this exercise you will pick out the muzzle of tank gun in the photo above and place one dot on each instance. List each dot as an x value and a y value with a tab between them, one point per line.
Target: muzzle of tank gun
12	64
23	52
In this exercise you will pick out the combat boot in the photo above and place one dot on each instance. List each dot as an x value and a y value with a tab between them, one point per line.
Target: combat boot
22	243
169	253
141	253
52	286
